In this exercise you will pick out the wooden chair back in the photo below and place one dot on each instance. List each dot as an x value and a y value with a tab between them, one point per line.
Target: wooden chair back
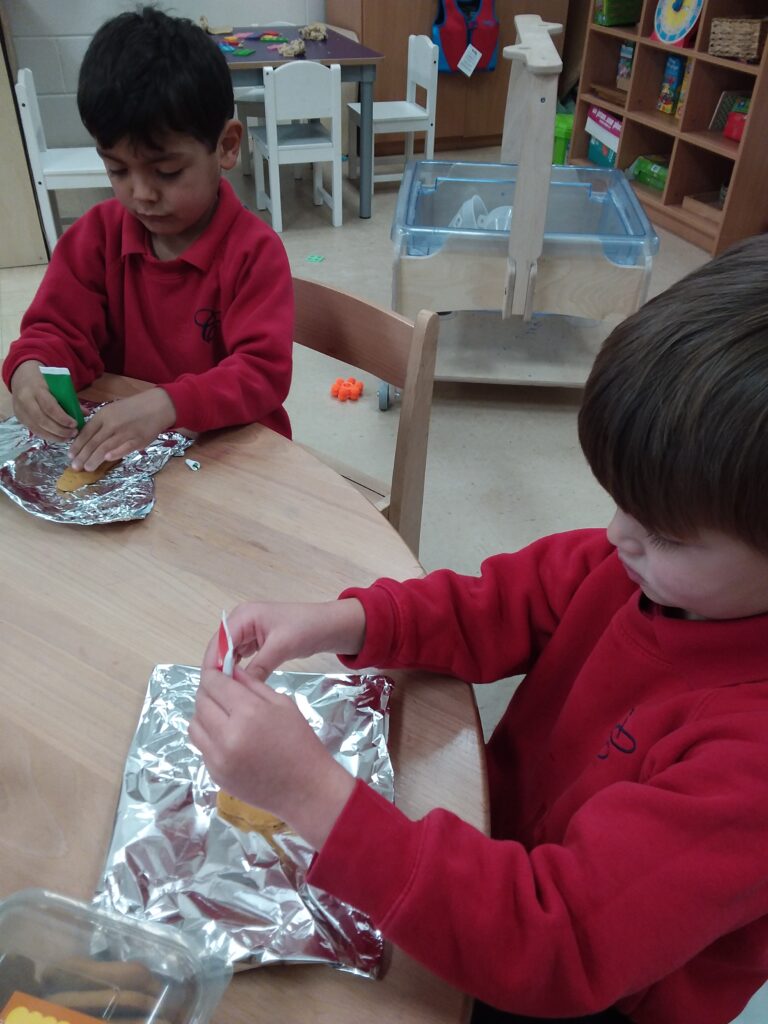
396	350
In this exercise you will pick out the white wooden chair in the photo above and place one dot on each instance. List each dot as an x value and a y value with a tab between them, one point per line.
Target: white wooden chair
397	350
66	168
249	103
301	91
406	115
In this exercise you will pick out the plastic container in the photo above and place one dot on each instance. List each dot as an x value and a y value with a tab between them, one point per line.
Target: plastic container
596	254
563	133
73	963
589	210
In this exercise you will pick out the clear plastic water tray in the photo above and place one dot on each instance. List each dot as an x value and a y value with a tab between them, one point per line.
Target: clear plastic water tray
590	209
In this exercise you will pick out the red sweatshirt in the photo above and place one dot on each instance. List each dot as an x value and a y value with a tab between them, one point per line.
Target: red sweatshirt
213	327
629	794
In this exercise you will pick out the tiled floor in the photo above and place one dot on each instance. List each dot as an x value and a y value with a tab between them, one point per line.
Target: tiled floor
504	463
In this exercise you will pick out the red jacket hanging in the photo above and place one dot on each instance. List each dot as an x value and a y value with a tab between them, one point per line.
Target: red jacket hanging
454	31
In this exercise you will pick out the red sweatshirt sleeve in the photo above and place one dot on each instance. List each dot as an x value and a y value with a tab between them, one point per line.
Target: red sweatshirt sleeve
251	382
66	322
646	876
477	628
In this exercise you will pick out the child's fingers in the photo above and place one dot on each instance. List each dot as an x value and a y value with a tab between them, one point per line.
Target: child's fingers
52	424
211	656
53	415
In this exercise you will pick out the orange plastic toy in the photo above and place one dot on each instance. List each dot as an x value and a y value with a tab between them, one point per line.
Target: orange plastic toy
348	390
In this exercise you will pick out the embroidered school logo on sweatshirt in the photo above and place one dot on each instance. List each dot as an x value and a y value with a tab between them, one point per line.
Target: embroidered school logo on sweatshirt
209	322
620	739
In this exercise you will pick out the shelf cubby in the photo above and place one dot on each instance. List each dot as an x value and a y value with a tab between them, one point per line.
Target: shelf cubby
701	159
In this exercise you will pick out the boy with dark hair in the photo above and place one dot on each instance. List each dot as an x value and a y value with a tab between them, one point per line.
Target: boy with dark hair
173	281
626	874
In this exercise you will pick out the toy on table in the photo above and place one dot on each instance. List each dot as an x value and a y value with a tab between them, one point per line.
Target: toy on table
296	48
214	30
316	32
347	390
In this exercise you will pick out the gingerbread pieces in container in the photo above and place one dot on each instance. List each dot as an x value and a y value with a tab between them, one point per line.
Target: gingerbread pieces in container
65	960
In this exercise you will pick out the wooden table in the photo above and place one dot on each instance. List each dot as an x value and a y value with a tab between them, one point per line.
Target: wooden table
358	64
88	612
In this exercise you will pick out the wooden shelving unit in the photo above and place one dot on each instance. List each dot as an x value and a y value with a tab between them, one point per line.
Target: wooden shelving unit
700	161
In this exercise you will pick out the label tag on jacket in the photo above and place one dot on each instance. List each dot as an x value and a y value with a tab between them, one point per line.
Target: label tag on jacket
469	60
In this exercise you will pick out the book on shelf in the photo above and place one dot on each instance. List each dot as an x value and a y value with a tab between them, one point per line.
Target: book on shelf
729	100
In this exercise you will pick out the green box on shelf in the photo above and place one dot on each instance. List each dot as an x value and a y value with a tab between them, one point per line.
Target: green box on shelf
617	12
651	171
599	154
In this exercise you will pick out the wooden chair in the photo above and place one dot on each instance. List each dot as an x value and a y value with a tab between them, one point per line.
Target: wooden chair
397	350
406	115
299	93
70	167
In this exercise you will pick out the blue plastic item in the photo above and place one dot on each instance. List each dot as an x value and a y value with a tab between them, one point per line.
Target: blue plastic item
590	210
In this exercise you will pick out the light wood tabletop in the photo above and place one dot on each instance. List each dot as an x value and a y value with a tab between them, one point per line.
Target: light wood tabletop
87	612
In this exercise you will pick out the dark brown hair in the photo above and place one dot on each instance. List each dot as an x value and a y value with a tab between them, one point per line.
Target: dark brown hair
674	422
146	73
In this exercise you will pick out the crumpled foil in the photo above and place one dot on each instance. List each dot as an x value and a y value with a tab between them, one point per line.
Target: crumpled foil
173	860
30	467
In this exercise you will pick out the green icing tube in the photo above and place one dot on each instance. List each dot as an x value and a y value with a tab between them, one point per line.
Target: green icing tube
61	387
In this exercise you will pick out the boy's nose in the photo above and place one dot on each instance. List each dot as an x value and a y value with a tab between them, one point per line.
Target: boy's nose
143	190
625	533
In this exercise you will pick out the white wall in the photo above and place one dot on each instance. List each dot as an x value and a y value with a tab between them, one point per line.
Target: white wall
51	36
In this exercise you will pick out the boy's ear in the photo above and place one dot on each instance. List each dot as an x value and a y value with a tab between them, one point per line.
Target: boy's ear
229	144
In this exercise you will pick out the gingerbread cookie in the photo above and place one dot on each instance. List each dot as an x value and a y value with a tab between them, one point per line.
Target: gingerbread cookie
74	479
246	817
99	1000
79	973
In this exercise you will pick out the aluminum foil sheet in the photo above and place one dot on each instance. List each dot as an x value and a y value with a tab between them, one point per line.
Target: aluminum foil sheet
30	467
173	860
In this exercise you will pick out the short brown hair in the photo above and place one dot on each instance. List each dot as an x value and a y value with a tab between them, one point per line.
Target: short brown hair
674	422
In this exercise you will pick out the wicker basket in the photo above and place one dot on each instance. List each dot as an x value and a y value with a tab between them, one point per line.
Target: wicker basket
741	38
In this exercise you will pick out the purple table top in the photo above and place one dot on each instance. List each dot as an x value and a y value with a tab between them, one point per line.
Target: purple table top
336	49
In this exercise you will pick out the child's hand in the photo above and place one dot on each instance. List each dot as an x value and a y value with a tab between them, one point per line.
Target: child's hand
122	427
35	406
275	633
257	745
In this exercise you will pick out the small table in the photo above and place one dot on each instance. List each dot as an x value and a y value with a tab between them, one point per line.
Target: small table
86	614
358	64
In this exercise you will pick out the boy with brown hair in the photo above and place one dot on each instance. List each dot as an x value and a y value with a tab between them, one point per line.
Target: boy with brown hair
173	281
625	879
